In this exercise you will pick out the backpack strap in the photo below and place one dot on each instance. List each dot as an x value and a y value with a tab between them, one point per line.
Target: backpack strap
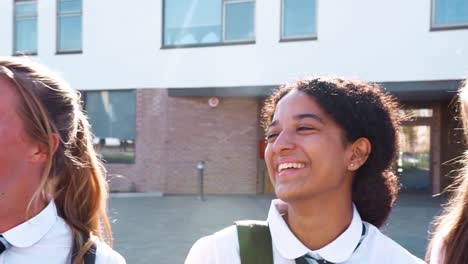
90	255
254	242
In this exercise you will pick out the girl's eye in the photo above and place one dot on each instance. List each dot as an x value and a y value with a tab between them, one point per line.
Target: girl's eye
271	136
305	128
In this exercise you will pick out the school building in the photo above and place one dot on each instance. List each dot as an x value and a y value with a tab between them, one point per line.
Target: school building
168	83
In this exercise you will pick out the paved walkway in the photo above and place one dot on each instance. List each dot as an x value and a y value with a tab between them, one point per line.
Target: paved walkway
162	229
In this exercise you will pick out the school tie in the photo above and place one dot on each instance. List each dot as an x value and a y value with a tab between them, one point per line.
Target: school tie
308	259
3	244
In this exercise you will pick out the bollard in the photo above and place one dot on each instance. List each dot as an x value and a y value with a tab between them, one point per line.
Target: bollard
200	170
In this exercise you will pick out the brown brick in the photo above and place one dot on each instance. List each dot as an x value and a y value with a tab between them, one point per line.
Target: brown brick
173	133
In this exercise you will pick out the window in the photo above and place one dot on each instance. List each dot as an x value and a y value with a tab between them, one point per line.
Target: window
69	26
410	113
208	22
448	14
112	117
298	19
238	20
25	27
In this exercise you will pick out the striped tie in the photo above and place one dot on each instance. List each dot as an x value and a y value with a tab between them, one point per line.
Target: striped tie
307	259
3	244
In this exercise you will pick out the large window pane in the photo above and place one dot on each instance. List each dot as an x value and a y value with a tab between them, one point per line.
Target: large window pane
69	25
192	21
199	22
299	18
70	33
112	117
25	27
414	163
450	12
239	19
26	36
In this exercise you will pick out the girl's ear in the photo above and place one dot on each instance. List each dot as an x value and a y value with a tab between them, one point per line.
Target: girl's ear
360	150
41	153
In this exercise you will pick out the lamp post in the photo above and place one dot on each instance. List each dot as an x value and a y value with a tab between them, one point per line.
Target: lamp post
200	172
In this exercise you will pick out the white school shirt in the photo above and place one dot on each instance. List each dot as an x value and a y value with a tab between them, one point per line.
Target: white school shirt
223	246
46	238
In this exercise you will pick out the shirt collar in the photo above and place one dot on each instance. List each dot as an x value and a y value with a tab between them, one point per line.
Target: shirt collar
288	246
31	231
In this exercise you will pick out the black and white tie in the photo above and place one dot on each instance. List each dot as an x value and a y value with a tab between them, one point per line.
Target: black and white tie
3	244
308	259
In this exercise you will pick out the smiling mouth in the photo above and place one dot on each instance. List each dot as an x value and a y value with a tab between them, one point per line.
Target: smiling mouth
286	166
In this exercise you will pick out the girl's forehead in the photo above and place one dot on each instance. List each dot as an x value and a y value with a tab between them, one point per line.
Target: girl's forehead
7	89
296	102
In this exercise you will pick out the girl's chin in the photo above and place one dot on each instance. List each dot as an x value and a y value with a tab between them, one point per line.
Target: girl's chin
289	193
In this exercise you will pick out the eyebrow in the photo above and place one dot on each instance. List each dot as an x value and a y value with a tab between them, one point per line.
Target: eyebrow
314	116
300	117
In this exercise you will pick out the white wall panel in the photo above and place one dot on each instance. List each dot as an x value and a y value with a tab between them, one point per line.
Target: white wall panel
373	40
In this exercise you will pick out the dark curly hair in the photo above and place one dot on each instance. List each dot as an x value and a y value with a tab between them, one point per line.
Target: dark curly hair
361	109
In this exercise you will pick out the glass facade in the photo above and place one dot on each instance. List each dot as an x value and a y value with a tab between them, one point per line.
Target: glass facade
112	115
195	22
414	159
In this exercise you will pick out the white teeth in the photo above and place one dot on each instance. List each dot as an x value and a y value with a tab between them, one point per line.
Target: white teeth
284	166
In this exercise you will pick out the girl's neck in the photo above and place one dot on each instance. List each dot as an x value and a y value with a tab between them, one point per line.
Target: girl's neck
317	222
14	212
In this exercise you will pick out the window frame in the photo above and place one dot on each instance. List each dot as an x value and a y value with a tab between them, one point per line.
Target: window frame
434	27
15	29
59	14
297	38
223	41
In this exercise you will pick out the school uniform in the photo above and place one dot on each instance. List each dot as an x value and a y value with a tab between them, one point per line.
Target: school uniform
46	238
360	243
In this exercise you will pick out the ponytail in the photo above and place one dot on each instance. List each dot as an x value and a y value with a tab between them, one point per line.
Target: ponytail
81	190
367	187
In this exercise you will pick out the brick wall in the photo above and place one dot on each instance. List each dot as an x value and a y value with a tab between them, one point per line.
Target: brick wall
173	133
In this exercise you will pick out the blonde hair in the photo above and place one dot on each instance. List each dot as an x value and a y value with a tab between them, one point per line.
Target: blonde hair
452	225
74	176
